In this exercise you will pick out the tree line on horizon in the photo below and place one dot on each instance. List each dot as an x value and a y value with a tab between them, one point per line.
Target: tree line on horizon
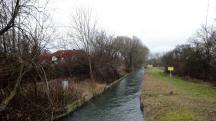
196	59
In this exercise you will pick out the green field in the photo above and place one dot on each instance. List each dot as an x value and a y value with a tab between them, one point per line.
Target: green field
190	101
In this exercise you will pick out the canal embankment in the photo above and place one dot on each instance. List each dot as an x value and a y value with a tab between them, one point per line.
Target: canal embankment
92	89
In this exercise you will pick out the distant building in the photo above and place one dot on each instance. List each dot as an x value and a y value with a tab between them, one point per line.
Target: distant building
149	66
45	58
54	58
61	56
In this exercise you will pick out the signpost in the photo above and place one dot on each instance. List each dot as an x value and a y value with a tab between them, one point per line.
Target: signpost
170	69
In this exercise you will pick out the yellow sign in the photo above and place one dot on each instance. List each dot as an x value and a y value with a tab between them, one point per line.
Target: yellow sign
170	68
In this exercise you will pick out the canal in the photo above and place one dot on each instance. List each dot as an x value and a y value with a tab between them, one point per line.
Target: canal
119	103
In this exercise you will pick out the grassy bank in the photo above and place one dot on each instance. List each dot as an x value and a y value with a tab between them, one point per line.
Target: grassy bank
190	101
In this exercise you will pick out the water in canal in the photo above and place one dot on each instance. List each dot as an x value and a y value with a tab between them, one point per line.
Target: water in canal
119	103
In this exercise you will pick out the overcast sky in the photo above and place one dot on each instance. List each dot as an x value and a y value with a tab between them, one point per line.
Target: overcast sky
161	24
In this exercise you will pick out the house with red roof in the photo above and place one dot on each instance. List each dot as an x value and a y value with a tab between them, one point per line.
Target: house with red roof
61	56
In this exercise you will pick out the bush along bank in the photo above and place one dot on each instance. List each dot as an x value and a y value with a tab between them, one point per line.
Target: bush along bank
66	94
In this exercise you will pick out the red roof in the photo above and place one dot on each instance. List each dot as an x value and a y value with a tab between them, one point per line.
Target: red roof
66	54
45	57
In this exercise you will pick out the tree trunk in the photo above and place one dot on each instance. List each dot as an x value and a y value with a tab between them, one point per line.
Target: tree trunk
90	69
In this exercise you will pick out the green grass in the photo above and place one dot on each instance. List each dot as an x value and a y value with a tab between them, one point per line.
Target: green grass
190	101
194	90
179	115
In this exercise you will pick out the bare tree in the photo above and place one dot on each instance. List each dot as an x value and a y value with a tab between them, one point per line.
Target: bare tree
132	50
4	14
24	33
84	32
